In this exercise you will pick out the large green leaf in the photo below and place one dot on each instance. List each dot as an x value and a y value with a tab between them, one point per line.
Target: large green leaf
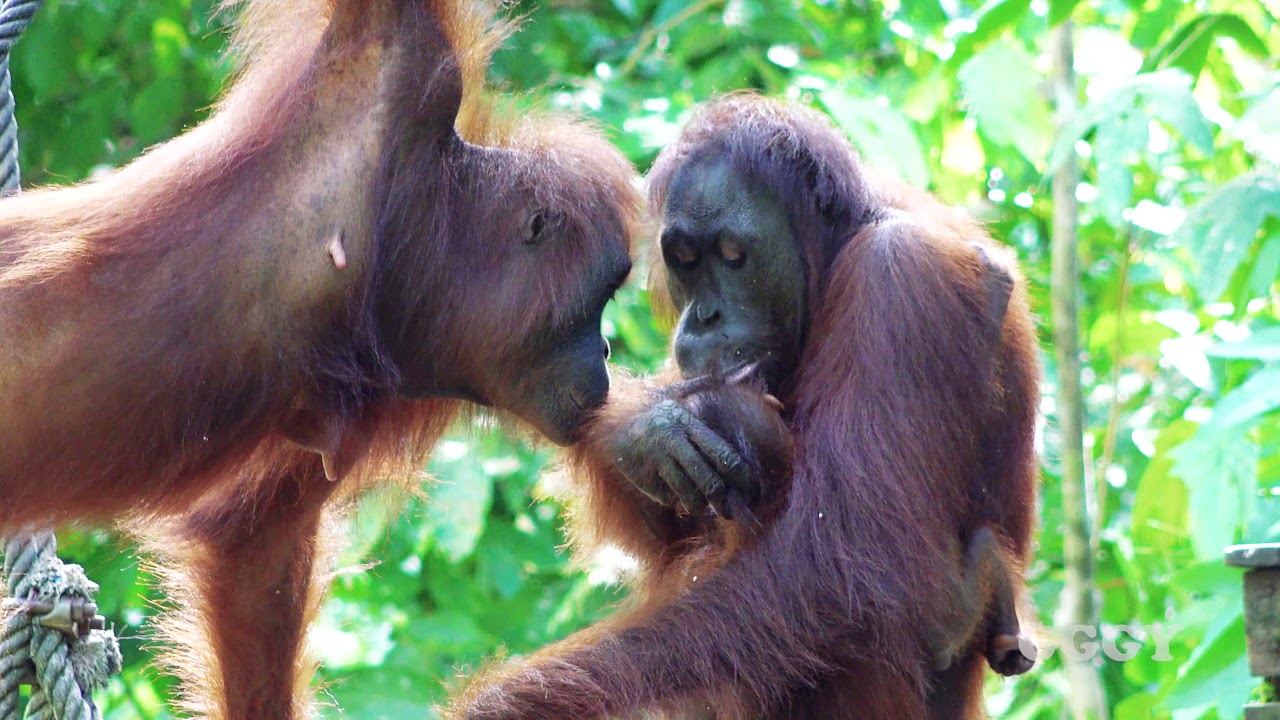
1189	45
1261	345
1060	10
1258	395
884	136
1217	675
1114	142
1221	475
993	17
1164	95
1223	228
1003	91
1159	522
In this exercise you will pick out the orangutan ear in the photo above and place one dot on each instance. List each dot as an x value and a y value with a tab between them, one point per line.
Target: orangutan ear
440	92
998	283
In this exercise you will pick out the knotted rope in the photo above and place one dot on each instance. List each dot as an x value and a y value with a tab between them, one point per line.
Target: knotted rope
52	637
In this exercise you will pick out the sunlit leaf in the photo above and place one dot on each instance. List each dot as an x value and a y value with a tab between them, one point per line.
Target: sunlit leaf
459	503
1114	143
1217	676
883	135
993	17
1164	95
1160	506
1259	394
1002	89
1060	10
1261	345
1221	475
1189	45
1222	229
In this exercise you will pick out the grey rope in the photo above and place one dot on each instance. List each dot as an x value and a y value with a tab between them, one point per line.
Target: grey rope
51	636
15	16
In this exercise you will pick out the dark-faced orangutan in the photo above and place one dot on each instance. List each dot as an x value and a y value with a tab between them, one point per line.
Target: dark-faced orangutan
296	292
897	337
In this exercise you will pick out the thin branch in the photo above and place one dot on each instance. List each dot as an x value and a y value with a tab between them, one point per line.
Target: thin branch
1085	697
1117	361
651	34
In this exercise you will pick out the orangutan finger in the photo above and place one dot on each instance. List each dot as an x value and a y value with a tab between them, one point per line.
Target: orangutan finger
727	461
683	486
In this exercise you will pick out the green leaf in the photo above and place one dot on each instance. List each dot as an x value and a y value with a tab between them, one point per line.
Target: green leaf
1221	473
1002	89
459	503
991	19
1142	335
1260	124
1160	503
1166	95
1169	97
1189	45
627	8
884	136
1114	143
1258	395
1216	676
157	110
1221	230
1060	10
1153	22
1261	345
42	57
168	42
1266	267
449	633
926	16
1138	706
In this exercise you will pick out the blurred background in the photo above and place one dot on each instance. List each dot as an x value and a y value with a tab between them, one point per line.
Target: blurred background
1171	119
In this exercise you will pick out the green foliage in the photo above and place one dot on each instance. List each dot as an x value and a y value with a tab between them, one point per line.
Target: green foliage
1180	246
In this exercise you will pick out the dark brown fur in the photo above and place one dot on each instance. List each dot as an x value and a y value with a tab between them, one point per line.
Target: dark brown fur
179	346
985	613
897	466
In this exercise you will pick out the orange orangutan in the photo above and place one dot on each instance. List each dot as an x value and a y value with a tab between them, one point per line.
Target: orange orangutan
227	338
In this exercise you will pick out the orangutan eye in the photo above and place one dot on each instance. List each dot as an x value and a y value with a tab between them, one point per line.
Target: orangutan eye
681	254
732	252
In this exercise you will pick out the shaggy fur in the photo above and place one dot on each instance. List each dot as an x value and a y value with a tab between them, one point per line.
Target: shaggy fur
907	443
177	341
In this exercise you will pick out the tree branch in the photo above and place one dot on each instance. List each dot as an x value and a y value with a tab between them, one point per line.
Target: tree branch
1086	698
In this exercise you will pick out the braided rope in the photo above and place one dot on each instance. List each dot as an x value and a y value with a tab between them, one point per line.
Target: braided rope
62	670
15	16
22	554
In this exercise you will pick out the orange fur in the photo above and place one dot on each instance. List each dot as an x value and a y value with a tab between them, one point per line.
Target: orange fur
179	349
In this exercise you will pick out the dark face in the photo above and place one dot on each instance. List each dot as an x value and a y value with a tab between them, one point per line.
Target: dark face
735	273
507	311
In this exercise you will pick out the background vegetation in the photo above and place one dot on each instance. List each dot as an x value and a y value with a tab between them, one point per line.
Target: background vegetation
1178	136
